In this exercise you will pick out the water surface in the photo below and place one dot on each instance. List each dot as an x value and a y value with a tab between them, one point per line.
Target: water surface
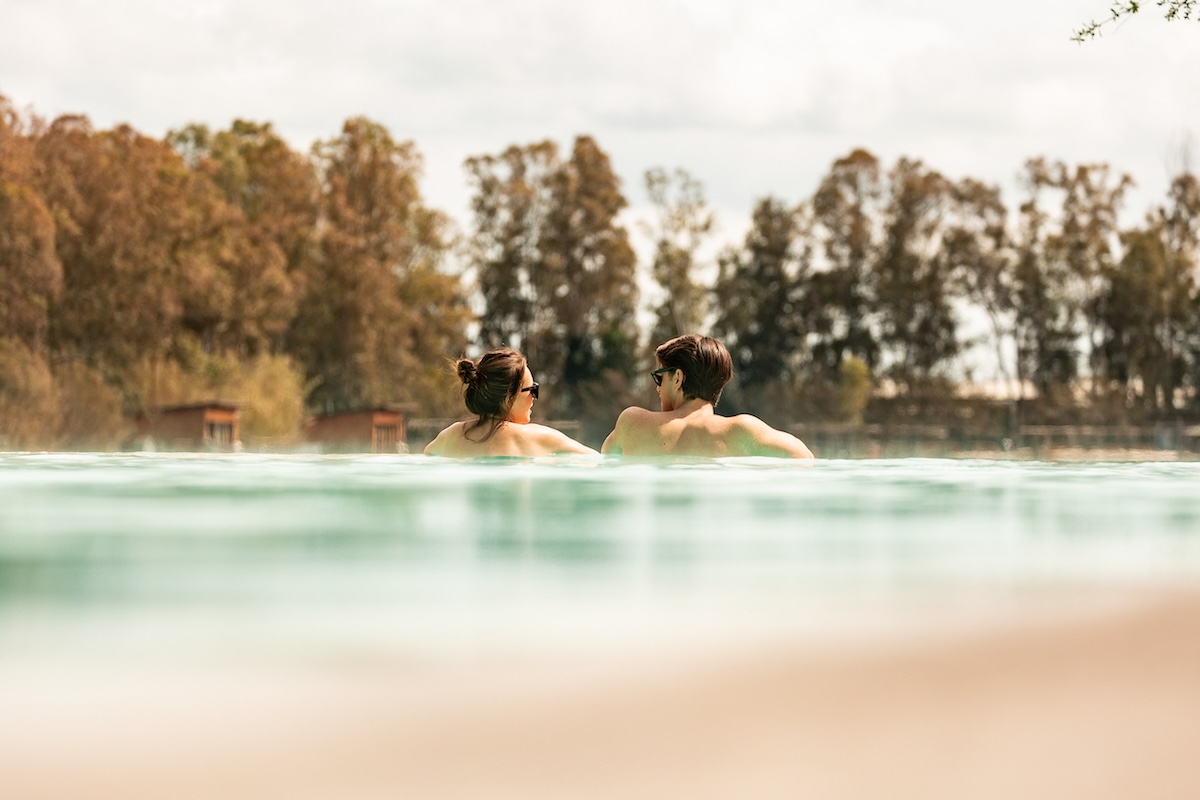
412	554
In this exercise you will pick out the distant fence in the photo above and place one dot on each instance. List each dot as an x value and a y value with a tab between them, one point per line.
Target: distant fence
1176	437
838	440
834	440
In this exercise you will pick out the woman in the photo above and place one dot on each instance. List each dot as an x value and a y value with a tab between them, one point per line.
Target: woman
500	390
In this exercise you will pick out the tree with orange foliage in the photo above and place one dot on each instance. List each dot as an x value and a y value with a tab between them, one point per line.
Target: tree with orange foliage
381	309
30	272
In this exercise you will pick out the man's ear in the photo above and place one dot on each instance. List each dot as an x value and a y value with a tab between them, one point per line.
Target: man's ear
678	377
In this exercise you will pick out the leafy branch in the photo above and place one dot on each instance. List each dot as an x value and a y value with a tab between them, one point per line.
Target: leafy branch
1172	10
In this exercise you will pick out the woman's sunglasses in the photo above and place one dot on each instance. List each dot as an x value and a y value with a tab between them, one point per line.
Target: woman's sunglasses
533	389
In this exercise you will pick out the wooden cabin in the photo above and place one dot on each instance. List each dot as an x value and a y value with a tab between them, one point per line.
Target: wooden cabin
195	427
372	430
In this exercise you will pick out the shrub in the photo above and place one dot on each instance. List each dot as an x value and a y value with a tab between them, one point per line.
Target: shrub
29	402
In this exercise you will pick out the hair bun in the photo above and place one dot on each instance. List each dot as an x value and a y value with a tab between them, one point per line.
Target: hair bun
467	372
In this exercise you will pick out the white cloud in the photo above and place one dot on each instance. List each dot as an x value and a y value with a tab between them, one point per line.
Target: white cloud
754	97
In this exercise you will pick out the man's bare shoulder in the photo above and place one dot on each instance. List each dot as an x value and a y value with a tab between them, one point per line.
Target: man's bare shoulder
636	415
554	440
632	426
760	439
748	423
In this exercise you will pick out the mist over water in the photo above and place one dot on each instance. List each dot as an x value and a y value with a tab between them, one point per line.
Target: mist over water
412	555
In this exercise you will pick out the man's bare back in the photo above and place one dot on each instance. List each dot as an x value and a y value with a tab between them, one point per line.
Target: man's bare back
692	371
695	429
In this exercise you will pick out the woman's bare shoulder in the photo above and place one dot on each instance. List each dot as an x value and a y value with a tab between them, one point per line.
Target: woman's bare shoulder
537	431
449	435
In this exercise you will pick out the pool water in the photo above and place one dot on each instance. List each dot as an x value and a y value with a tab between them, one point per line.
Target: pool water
412	554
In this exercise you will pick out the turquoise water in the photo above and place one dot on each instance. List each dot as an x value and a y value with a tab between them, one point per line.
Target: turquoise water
409	553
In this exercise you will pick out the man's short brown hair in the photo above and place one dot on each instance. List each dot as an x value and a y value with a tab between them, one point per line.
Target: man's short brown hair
706	364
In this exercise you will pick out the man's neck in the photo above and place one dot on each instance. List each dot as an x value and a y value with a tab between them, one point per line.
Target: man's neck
695	406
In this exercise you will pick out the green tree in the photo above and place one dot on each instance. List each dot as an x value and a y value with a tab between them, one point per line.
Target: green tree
1180	221
1132	314
510	201
758	295
557	273
854	390
588	255
978	250
1045	314
1086	243
848	213
918	330
1148	309
682	220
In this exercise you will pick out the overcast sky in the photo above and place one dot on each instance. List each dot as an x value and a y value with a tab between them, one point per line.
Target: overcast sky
753	97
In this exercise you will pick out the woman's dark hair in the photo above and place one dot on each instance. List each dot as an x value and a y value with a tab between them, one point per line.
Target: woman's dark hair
706	364
490	385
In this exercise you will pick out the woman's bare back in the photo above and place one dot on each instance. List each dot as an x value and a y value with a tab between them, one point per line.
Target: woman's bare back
466	440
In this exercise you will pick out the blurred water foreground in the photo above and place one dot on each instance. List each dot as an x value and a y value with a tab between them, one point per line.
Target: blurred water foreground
329	626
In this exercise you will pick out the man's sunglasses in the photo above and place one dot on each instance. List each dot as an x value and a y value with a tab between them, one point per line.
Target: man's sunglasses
658	373
533	389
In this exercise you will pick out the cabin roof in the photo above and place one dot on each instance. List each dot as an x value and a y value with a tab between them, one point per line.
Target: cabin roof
220	405
387	409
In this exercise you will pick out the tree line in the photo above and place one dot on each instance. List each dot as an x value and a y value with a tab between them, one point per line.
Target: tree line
137	272
879	269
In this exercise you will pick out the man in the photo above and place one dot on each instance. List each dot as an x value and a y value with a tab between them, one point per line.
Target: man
691	372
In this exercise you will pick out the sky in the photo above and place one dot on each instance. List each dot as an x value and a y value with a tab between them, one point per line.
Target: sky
753	97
